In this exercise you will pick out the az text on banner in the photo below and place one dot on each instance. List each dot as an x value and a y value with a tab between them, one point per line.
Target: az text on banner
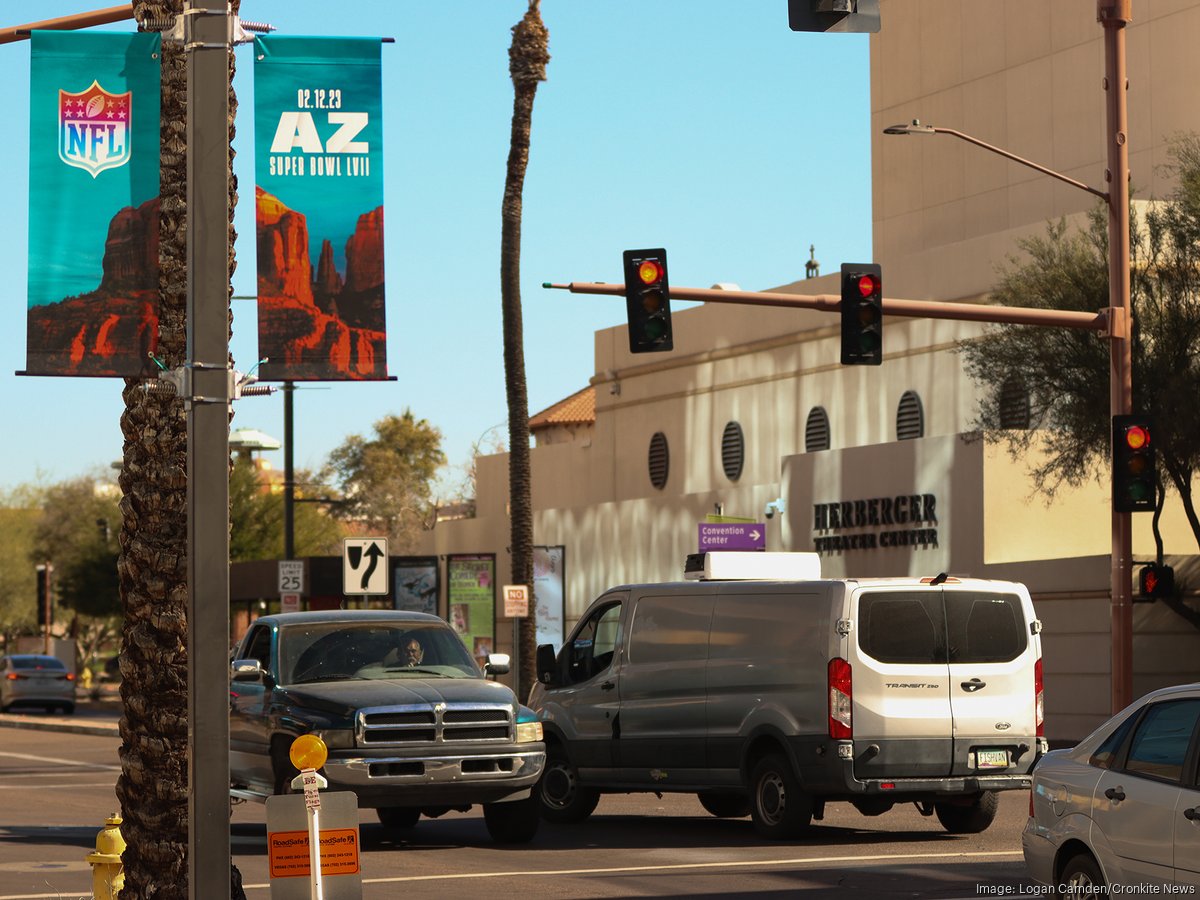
318	136
93	203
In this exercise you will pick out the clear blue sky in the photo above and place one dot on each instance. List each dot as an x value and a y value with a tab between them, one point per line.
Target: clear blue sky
703	126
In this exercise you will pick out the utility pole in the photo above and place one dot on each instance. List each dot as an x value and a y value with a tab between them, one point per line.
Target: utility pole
208	380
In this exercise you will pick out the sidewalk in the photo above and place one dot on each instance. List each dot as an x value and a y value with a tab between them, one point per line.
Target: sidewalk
91	717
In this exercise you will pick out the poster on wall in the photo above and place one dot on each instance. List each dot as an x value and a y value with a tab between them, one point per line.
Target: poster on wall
93	204
318	197
549	592
415	583
471	601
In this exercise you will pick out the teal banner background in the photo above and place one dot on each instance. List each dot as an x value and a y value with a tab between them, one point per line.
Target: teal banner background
93	221
318	153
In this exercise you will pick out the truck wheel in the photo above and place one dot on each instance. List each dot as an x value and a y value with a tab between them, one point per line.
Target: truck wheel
968	818
398	817
559	793
514	822
779	807
281	764
724	806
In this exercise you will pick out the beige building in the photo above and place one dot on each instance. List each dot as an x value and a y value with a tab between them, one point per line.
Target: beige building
753	416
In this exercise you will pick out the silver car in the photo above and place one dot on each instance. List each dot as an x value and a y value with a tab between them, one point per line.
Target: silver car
1120	812
30	679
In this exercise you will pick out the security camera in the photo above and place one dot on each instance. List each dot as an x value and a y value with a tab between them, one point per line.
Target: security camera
774	506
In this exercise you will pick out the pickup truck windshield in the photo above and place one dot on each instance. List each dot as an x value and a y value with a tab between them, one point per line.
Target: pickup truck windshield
337	651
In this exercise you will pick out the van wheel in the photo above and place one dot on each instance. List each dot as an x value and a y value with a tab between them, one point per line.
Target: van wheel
779	807
970	817
399	818
514	822
724	806
559	793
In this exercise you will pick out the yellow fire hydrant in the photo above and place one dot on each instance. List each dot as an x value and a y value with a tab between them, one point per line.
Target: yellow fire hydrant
108	877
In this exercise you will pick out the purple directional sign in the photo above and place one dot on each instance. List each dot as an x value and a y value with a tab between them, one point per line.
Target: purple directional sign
732	536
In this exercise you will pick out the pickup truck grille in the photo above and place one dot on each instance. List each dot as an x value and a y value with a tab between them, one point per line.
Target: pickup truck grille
421	724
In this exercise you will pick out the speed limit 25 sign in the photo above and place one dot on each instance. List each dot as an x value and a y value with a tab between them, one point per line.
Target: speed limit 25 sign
291	576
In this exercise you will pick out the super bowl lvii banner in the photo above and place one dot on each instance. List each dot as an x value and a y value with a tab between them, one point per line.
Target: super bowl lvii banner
318	154
93	203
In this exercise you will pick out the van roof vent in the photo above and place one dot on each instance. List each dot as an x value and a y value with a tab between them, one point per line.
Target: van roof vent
731	565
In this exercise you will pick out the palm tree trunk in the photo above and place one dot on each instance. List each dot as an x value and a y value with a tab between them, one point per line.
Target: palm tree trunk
527	57
153	785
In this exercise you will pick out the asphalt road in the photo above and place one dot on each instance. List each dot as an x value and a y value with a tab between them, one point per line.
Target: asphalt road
56	788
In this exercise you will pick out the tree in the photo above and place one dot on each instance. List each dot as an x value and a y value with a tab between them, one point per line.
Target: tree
74	534
19	513
387	482
527	59
153	785
256	515
1066	371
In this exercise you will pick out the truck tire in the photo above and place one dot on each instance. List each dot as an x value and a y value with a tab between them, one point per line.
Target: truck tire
724	806
514	822
560	796
968	818
399	818
778	805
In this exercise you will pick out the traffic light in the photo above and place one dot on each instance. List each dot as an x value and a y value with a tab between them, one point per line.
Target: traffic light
647	300
834	15
1156	580
44	612
862	315
1133	473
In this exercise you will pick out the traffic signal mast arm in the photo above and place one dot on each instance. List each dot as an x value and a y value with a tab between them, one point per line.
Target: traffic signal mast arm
922	309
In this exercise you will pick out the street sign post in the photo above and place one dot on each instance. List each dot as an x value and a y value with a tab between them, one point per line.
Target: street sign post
364	566
516	601
732	536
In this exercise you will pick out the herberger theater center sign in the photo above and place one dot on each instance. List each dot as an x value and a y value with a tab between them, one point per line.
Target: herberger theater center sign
887	517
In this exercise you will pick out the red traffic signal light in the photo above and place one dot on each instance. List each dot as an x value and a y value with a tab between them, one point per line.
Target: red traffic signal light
862	314
647	300
1155	580
1134	485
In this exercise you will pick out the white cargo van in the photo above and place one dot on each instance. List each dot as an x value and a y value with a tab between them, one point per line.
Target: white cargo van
767	690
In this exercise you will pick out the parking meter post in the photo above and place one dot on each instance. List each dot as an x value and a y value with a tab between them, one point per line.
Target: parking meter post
314	850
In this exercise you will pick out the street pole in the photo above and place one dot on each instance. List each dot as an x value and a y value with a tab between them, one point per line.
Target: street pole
1114	15
208	375
289	472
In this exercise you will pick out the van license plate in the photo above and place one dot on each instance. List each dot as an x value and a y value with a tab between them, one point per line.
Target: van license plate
991	759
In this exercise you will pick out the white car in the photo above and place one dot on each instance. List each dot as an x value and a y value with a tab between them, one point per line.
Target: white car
1120	811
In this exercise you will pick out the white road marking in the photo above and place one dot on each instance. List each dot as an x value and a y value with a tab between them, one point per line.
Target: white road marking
62	762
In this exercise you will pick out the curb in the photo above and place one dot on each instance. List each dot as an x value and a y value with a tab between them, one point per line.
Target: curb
69	726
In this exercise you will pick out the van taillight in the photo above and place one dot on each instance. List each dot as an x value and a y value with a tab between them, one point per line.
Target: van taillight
1039	700
840	696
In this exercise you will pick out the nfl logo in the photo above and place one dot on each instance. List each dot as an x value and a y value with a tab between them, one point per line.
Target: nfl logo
93	129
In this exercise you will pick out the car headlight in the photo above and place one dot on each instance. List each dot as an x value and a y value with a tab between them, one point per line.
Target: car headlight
337	738
529	728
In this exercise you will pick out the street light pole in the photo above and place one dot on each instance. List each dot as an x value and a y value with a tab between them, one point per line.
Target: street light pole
1113	15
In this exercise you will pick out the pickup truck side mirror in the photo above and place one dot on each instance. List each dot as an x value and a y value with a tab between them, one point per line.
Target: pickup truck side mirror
246	670
497	664
547	665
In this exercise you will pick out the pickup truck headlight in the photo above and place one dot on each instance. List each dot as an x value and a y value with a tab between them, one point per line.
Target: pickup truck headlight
338	738
529	729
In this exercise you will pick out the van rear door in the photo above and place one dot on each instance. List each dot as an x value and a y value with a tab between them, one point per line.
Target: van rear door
901	684
992	656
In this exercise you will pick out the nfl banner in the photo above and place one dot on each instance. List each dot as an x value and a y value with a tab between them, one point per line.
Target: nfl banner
318	137
93	203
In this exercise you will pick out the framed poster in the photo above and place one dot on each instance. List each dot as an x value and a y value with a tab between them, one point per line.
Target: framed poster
549	593
471	601
415	583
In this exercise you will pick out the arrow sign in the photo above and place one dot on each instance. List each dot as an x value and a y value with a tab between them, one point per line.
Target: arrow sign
362	572
732	536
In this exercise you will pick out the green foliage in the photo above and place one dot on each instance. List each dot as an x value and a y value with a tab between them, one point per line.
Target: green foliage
1066	371
18	585
256	519
75	533
386	482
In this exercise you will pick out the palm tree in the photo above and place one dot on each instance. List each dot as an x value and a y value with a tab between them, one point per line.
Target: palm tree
153	785
527	59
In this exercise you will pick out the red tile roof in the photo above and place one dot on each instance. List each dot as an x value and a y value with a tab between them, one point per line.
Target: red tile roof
578	409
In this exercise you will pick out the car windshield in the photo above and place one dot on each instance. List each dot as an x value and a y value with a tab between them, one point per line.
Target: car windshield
331	651
37	662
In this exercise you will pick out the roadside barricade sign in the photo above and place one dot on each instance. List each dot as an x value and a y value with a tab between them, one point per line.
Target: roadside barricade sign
288	851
